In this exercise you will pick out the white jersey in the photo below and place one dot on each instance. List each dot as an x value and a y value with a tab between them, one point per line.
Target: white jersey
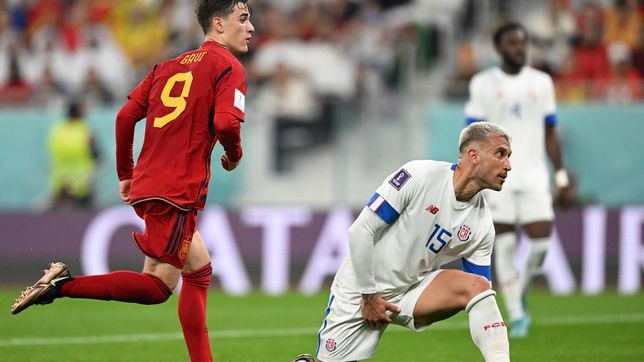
523	104
427	228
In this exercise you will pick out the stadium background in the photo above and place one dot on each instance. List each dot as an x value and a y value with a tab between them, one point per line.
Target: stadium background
363	87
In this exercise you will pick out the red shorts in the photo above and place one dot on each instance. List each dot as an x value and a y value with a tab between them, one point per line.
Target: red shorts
168	232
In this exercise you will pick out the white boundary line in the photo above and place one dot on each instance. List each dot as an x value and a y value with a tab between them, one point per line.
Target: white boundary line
285	332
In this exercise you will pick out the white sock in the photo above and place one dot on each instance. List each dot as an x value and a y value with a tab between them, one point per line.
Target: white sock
487	328
507	275
535	262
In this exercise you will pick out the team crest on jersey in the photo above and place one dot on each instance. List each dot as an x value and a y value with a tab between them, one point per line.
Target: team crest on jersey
400	179
330	345
464	233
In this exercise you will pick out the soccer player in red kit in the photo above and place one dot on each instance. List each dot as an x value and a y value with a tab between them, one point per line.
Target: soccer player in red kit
190	103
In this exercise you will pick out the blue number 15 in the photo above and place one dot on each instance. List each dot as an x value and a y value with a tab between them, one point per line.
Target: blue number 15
437	244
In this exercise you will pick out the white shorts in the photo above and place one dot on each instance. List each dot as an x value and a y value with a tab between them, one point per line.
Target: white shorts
520	206
345	337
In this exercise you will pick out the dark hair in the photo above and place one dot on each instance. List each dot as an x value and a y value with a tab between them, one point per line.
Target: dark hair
206	10
507	27
75	109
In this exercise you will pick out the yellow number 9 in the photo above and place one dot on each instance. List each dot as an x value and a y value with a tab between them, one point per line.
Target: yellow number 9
178	103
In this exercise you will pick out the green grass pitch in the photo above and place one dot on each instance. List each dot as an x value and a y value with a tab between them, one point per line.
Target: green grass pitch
257	327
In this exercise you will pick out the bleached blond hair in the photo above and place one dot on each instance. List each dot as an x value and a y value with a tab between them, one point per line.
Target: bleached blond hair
480	131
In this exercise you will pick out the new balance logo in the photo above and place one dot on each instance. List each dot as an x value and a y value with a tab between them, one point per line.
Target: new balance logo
432	209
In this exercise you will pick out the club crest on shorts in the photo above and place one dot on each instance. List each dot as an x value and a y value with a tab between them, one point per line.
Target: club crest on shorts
400	179
464	233
330	345
185	248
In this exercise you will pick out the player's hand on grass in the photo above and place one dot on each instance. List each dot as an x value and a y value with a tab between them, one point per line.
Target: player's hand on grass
227	164
374	310
124	190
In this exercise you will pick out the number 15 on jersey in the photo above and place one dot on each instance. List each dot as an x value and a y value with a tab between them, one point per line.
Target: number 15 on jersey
438	239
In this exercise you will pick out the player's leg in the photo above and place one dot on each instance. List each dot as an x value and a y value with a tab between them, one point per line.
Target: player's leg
503	205
344	336
196	274
505	270
162	267
535	215
124	286
540	235
154	285
451	291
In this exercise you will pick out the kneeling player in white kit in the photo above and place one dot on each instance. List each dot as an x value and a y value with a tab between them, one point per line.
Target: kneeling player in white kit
423	216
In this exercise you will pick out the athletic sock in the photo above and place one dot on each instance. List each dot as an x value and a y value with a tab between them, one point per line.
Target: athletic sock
123	286
507	275
192	313
487	328
535	262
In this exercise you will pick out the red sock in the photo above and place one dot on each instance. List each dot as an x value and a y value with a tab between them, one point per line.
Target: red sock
192	313
124	286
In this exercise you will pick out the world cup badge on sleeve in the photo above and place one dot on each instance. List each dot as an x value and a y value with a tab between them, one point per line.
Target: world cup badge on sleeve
400	179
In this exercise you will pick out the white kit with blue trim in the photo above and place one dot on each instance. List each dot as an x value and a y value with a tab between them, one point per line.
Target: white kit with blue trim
521	104
427	228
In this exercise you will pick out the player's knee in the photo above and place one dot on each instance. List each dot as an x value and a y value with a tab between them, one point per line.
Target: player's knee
159	293
479	297
159	298
476	286
469	286
200	277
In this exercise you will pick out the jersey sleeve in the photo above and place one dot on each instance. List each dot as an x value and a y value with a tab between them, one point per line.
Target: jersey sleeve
230	99
230	96
132	111
141	92
126	119
550	105
362	238
474	108
480	261
395	193
228	131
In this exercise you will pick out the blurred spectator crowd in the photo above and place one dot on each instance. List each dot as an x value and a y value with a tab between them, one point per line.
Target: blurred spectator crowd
310	53
594	50
51	50
308	57
56	49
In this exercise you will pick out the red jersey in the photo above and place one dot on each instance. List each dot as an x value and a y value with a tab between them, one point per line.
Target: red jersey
190	102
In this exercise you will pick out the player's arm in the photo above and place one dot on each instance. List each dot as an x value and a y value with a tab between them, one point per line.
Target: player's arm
563	191
228	131
383	209
479	262
553	147
230	100
126	119
362	239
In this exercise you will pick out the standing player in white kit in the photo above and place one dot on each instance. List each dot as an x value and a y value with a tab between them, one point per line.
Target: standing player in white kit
424	215
522	100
